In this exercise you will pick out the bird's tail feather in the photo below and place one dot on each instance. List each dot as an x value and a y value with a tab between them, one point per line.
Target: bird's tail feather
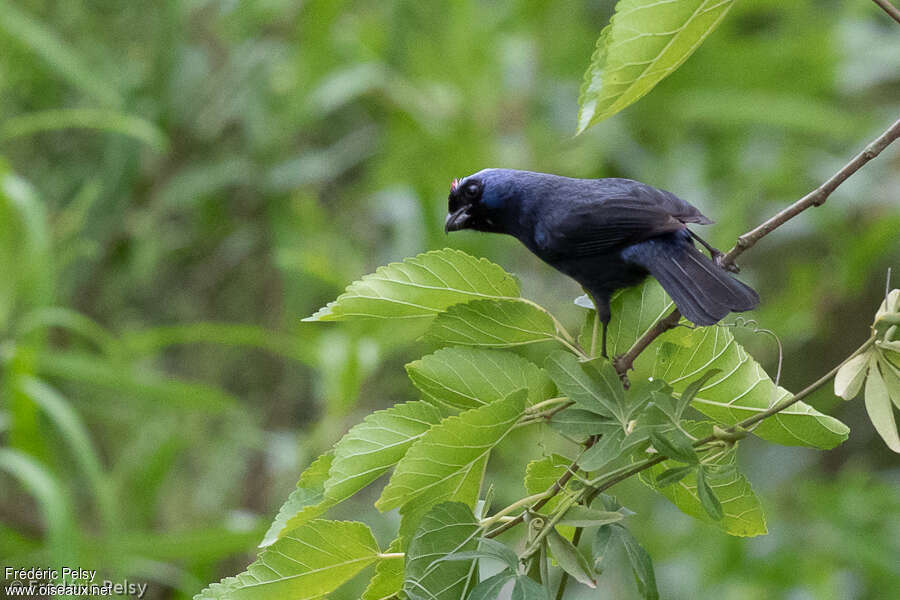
703	292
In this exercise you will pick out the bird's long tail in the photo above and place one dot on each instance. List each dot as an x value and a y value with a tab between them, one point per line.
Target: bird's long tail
702	291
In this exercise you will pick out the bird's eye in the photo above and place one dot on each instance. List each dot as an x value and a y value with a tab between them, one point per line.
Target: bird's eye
471	190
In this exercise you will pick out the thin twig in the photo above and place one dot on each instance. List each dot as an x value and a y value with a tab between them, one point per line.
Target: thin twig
889	8
817	197
626	361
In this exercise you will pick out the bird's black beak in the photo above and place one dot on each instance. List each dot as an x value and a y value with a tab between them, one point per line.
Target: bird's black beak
457	220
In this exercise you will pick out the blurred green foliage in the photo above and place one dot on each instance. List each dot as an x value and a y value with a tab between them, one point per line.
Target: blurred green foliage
182	181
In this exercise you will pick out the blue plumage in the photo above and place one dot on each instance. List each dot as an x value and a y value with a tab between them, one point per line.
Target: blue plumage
606	234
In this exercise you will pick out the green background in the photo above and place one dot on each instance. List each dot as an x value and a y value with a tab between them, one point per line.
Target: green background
246	160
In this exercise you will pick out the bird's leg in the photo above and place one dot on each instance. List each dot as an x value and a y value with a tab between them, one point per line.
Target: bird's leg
601	314
717	255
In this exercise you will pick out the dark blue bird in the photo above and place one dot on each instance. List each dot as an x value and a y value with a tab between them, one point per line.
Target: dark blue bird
606	234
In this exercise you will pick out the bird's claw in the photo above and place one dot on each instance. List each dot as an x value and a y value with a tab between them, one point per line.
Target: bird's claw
719	258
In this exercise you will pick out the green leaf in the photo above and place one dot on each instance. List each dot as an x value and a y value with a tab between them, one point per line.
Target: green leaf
641	563
85	118
308	562
528	589
634	311
592	385
491	549
371	448
388	578
582	516
674	444
305	503
879	407
63	58
891	375
645	41
741	390
743	513
493	324
469	377
613	443
850	378
489	589
672	476
449	452
577	422
570	560
448	528
420	287
541	474
708	499
690	392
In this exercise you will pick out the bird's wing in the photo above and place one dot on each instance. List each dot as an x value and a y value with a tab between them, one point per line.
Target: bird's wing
623	213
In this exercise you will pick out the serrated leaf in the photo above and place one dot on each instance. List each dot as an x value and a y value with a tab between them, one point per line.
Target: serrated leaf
371	448
582	516
645	41
541	474
469	377
420	287
743	513
850	378
707	497
305	503
879	407
490	588
451	450
528	589
492	324
570	560
308	562
634	311
448	528
387	581
578	422
592	385
741	390
674	444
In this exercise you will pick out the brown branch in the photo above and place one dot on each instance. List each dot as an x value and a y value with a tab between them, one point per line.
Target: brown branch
817	197
889	8
626	361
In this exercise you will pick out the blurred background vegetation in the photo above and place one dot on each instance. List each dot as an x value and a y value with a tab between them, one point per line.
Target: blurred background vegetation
182	181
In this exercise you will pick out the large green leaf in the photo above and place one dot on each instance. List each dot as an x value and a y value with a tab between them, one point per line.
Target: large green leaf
309	562
645	41
375	445
742	389
305	503
743	513
420	287
366	452
451	451
448	528
469	377
493	324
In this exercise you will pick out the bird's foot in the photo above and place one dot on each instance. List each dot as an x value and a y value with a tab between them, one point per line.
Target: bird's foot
621	366
719	258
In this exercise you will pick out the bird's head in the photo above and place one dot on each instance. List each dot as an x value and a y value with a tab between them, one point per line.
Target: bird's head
480	202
